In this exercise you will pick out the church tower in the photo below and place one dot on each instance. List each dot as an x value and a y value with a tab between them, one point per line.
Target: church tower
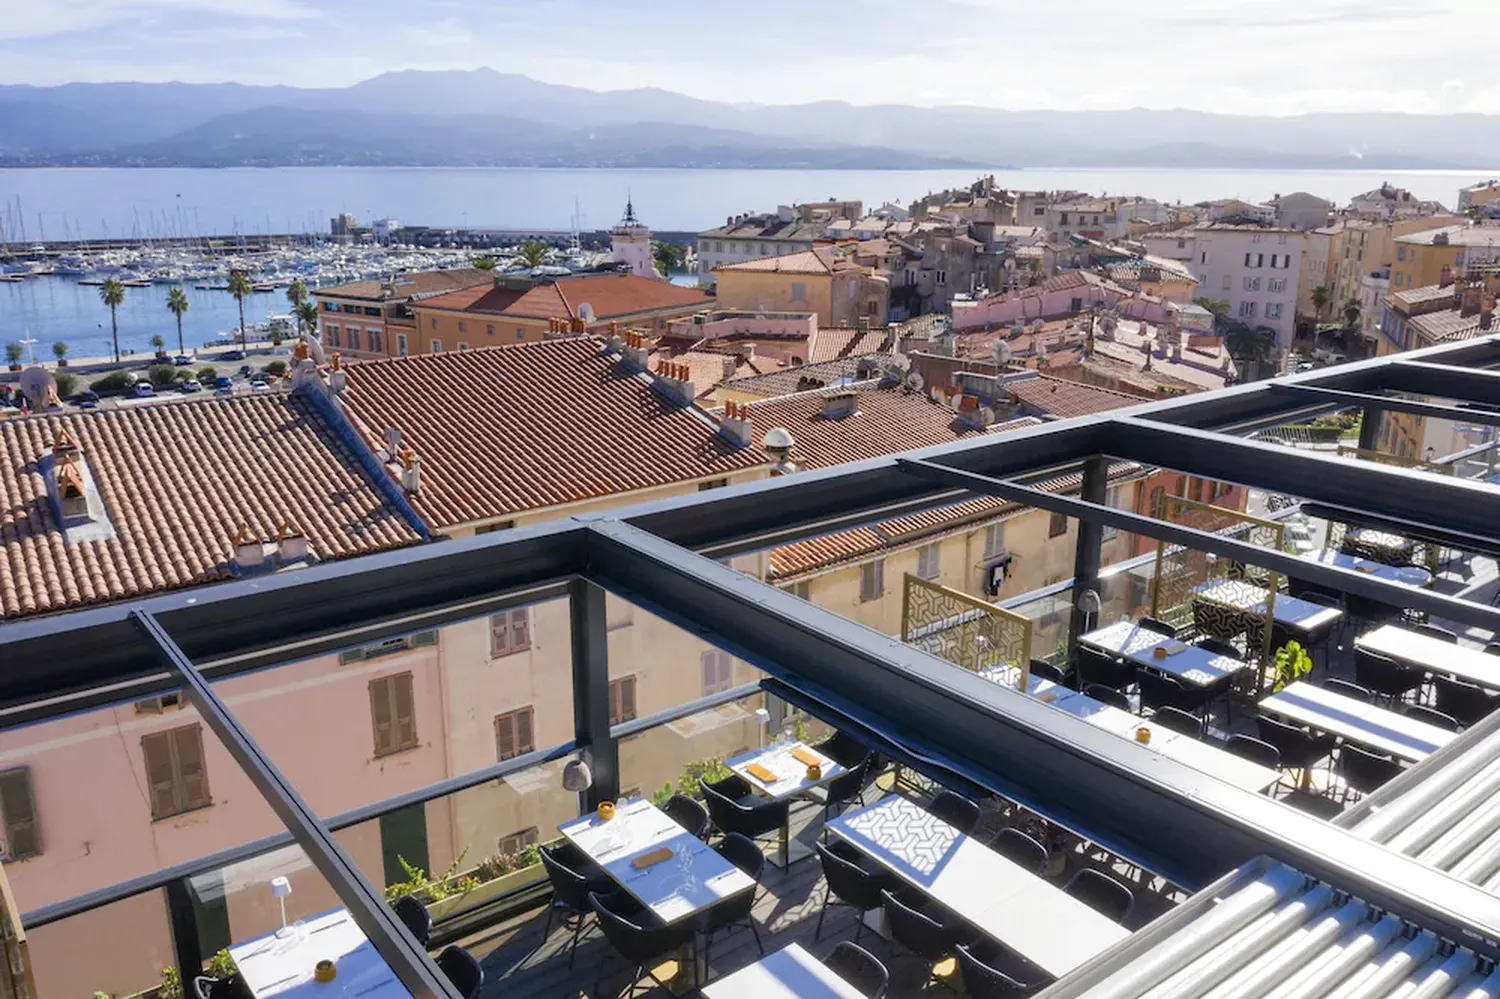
630	243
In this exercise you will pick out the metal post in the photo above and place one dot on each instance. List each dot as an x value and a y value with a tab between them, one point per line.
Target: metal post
591	691
1086	556
366	905
184	922
1369	428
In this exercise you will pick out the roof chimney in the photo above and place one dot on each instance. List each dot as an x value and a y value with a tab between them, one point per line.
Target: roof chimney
411	470
1445	276
837	405
249	552
1470	301
675	380
735	426
291	543
633	351
392	443
72	494
1487	312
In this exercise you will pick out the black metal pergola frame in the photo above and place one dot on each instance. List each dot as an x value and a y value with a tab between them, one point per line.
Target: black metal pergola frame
940	719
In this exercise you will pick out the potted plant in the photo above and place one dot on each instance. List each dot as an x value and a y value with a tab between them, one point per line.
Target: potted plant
160	344
60	351
493	877
1292	664
13	356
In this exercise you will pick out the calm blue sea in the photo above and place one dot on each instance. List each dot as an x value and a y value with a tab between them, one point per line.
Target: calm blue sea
94	204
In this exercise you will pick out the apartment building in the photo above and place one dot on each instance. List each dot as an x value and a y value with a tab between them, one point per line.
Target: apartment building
1422	257
1300	210
1093	218
790	229
1388	202
364	319
1483	195
1256	269
824	281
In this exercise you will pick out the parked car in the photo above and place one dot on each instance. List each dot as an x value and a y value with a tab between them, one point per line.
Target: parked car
258	386
143	390
224	382
88	398
182	360
246	371
232	355
190	385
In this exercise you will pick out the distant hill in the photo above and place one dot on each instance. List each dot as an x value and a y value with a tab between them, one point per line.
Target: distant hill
485	117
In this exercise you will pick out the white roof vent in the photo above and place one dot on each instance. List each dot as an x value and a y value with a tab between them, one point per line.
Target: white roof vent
778	438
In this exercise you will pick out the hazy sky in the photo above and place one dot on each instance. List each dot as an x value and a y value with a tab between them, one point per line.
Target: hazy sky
1247	56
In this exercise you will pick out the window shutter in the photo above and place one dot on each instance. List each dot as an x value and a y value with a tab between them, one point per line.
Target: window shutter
524	740
520	629
406	711
160	775
627	698
499	635
190	768
22	839
380	716
351	656
505	737
422	638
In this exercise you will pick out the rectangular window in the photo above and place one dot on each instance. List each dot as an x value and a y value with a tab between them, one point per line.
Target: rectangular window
1400	253
375	341
463	327
353	339
434	322
351	308
799	291
520	333
712	484
941	278
1075	305
994	540
175	770
1112	498
401	344
1273	310
510	632
1277	285
1226	282
1252	284
718	670
1247	310
930	560
436	346
331	334
621	700
872	580
801	589
1058	525
462	346
330	307
489	329
514	733
516	842
22	838
371	310
393	713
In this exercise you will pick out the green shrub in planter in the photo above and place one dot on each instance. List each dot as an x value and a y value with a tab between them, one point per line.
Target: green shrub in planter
115	381
161	375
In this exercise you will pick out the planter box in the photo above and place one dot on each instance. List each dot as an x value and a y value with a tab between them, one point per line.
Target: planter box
485	891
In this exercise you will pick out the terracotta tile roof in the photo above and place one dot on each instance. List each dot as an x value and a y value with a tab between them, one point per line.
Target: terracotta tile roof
788	562
504	430
611	296
1445	325
708	368
818	260
790	380
176	481
833	343
407	285
887	420
1426	294
1060	397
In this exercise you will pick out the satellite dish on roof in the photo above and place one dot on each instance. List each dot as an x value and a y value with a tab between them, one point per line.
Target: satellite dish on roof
35	383
586	312
1001	350
987	416
912	382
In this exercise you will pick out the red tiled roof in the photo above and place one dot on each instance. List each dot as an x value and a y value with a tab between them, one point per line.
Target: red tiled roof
407	285
834	342
504	430
611	296
1063	398
177	480
818	260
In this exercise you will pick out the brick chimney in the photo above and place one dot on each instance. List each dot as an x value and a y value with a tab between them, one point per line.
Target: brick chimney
1471	299
411	470
675	381
735	425
633	351
837	405
291	543
249	552
1487	312
72	494
1445	276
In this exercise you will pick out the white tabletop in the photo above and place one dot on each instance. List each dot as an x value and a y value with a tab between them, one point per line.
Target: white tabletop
1031	916
1205	757
1425	652
1186	662
273	966
1408	575
779	760
1357	721
789	973
1301	614
693	878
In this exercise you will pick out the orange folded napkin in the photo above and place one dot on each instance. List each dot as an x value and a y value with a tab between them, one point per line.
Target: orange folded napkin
651	858
804	755
763	773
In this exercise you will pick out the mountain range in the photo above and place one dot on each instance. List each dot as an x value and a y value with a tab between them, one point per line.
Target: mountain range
487	118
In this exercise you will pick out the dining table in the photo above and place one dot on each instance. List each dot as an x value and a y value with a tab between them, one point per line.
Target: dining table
1188	663
667	869
1384	546
283	964
1433	655
789	973
1303	617
993	894
779	771
1407	575
1357	721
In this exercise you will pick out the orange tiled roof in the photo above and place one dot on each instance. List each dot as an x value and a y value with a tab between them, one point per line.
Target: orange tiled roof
177	480
1064	398
407	285
835	342
818	260
504	430
611	296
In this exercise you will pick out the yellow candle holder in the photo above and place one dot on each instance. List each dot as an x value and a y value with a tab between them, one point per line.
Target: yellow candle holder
1160	652
325	971
814	772
1143	735
606	810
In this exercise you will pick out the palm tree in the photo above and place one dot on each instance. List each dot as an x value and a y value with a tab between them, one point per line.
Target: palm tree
112	294
177	304
668	256
306	314
1320	298
1352	311
484	263
296	293
60	351
239	287
533	252
1250	347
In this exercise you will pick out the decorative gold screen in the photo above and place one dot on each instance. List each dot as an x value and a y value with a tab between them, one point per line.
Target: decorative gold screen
965	630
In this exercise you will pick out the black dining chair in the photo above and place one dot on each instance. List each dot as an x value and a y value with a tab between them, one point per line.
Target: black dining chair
417	920
1016	846
1102	668
1220	647
1180	721
843	749
637	935
860	969
1432	716
1159	626
570	891
1433	631
735	910
848	883
755	821
956	810
982	980
1044	670
1383	675
1158	691
1348	688
1299	748
1247	747
689	814
841	790
1364	771
1467	702
1107	695
1101	893
925	936
460	968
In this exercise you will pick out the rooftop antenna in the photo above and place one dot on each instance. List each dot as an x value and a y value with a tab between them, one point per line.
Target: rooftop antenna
27	341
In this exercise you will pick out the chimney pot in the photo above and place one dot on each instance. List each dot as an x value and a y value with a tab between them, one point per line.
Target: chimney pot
837	405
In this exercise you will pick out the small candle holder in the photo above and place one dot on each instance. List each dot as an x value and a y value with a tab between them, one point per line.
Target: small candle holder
1143	735
606	810
325	971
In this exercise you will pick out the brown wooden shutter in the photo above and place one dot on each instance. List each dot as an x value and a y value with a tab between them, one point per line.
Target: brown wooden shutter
191	769
405	711
524	740
499	635
505	738
22	838
627	698
161	776
520	629
380	716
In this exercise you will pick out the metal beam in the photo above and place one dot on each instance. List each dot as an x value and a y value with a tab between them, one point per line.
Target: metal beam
1384	402
1445	381
1343	580
1087	551
590	633
1173	819
366	905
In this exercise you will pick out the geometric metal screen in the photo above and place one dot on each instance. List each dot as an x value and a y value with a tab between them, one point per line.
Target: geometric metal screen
966	631
1214	595
16	978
